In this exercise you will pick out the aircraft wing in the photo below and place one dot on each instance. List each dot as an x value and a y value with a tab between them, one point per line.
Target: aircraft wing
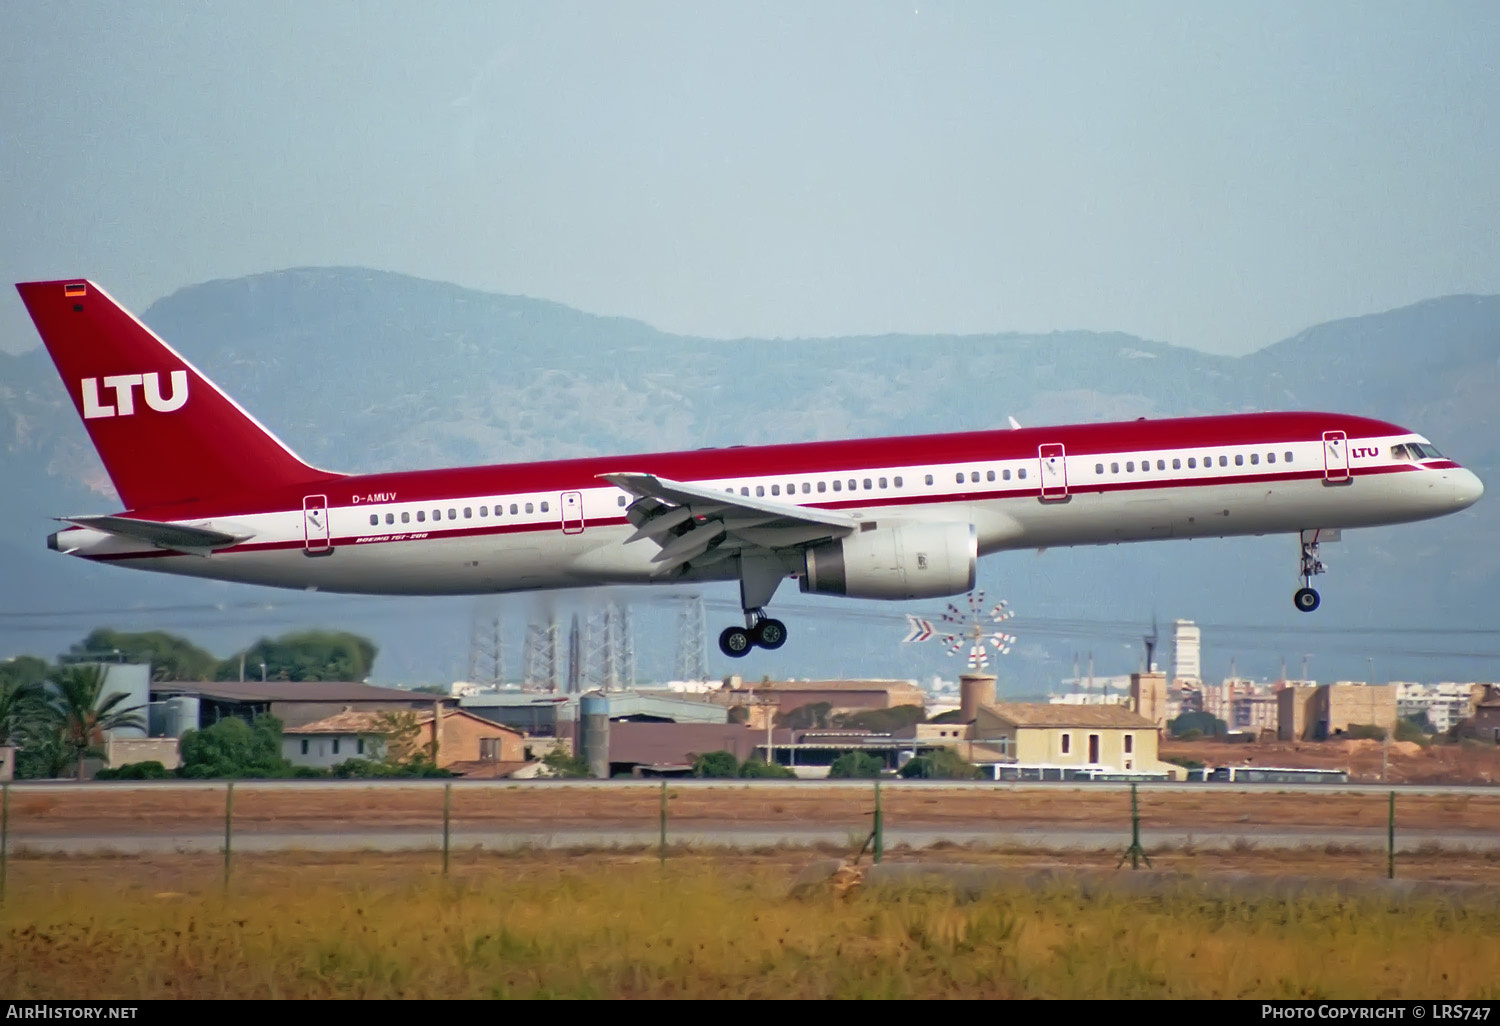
180	537
719	524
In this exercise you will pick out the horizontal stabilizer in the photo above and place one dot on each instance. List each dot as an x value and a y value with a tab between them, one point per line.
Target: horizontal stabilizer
182	537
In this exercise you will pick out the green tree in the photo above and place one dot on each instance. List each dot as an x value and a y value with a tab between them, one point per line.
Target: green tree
951	716
814	715
1207	723
1407	730
716	764
84	714
21	704
233	749
941	764
308	655
882	721
560	764
759	769
856	766
171	657
24	670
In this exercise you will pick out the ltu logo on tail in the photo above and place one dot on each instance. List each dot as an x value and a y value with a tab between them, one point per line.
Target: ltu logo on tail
124	386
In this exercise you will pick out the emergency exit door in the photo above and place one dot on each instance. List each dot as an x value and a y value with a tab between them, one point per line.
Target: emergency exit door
1054	471
572	512
315	532
1335	457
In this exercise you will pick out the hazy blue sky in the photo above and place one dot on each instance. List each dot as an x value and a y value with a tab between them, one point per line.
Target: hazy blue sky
1218	175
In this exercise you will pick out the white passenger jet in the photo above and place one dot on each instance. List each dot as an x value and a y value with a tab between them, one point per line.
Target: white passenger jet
209	492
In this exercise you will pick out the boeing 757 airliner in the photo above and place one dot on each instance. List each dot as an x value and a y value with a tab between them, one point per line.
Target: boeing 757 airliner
209	492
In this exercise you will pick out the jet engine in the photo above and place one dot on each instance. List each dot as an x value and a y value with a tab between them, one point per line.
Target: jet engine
901	561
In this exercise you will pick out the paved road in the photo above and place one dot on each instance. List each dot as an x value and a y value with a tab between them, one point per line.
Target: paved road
741	837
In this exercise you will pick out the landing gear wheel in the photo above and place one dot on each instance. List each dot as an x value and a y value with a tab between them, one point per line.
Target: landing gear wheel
735	642
1306	599
769	634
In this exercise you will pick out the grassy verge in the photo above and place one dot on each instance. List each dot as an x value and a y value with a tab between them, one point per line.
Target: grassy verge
600	925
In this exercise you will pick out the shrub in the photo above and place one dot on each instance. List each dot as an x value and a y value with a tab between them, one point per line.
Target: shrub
856	766
151	770
718	765
758	769
233	748
943	764
1365	732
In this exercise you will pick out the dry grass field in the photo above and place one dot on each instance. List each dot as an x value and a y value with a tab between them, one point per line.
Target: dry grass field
540	805
593	924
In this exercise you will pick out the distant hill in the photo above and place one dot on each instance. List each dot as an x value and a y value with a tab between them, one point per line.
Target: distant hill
360	370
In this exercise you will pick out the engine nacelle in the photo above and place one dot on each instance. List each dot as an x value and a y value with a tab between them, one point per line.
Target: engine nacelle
908	560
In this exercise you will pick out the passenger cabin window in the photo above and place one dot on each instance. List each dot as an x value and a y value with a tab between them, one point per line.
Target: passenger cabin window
421	516
1239	459
745	491
1254	459
514	509
405	517
1114	468
1176	464
1223	461
867	484
806	487
838	486
529	508
468	513
1270	457
959	477
1098	468
484	511
1161	464
882	482
1005	474
989	475
760	491
822	486
544	507
1021	473
974	476
853	484
929	479
453	514
1288	456
1130	466
437	514
1192	463
776	489
374	519
390	518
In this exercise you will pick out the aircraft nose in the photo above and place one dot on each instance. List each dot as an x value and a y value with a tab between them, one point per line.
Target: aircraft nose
1467	488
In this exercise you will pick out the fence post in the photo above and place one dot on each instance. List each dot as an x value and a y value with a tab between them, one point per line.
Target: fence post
4	836
662	849
1135	853
879	826
447	816
228	829
1390	840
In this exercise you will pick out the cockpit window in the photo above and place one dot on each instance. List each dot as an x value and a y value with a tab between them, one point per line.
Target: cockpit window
1415	451
1399	452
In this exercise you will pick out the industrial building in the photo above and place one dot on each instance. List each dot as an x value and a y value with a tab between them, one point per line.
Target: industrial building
1318	713
294	703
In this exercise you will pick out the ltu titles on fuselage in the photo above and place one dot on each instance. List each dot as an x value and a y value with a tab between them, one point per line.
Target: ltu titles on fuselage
209	492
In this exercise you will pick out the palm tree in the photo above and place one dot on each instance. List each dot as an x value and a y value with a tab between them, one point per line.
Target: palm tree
82	716
19	702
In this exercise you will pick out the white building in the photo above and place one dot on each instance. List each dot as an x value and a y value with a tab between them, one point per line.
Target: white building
1445	704
1186	651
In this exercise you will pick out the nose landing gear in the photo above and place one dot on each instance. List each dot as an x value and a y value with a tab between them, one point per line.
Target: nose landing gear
1306	599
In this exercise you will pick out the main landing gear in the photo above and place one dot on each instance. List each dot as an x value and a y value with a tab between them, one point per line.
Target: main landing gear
1306	599
759	630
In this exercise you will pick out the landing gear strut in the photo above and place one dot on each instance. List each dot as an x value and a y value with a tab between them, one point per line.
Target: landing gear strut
759	630
1306	599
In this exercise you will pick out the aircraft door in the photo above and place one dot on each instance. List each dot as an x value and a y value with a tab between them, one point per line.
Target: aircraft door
1335	457
1054	471
315	525
572	512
